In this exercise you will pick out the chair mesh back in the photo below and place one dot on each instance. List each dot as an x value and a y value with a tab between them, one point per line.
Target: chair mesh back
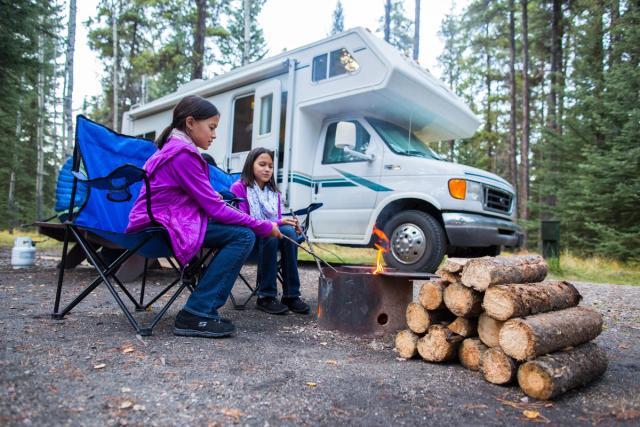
102	151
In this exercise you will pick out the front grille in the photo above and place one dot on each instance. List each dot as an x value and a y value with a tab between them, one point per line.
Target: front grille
497	200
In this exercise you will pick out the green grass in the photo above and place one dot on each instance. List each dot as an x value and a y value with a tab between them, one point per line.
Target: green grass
6	239
569	266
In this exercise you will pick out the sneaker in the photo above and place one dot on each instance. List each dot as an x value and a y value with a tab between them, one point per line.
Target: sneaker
297	305
190	325
271	305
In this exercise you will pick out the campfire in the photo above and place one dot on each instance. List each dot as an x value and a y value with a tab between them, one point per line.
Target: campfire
382	238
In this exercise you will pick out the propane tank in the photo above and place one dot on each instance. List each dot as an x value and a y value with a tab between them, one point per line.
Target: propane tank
23	254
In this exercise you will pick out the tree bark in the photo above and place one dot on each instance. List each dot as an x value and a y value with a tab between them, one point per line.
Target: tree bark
198	40
513	141
497	367
480	273
523	193
549	376
489	330
416	32
67	143
439	345
387	21
470	353
463	301
406	344
40	133
502	302
419	319
431	294
464	327
14	165
526	338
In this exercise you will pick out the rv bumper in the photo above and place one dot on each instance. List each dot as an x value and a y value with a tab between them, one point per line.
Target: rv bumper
473	230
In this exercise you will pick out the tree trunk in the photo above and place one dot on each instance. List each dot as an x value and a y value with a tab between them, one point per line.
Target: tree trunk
416	32
419	319
614	33
406	344
549	376
464	327
455	265
14	165
114	29
387	21
513	141
439	345
198	40
247	31
489	330
463	301
523	194
470	353
502	302
497	367
40	133
480	273
431	294
67	143
526	338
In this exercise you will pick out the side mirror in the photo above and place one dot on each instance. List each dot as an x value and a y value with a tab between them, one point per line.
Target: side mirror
346	135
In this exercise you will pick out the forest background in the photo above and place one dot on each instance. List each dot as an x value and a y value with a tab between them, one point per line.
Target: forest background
556	84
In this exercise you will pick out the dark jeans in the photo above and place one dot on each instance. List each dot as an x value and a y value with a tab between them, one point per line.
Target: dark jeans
265	252
234	244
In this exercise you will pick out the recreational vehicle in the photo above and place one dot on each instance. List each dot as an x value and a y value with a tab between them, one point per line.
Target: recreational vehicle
350	121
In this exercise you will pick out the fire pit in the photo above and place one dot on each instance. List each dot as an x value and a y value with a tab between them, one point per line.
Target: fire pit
354	300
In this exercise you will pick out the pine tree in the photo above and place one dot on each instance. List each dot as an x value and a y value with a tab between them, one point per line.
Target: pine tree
232	47
398	26
337	22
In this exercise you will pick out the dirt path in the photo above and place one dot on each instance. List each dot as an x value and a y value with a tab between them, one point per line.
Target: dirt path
278	370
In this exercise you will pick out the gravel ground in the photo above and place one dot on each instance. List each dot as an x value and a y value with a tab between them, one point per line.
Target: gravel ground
91	369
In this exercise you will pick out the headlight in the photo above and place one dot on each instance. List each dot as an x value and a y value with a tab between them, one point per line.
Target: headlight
463	189
474	191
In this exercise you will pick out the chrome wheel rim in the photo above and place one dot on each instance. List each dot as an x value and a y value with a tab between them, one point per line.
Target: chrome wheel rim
408	243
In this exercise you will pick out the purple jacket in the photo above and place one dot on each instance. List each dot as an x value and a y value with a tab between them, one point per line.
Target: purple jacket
240	190
182	200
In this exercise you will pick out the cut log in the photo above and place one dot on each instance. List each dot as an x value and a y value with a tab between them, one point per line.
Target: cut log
454	265
526	338
463	301
439	345
497	367
503	302
449	277
464	327
489	330
470	353
419	319
480	273
406	342
431	294
549	376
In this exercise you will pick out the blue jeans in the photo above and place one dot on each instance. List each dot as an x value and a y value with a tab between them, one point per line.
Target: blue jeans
265	252
234	244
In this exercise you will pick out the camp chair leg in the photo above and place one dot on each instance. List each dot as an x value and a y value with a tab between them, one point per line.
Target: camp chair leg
253	290
147	331
160	294
56	304
141	306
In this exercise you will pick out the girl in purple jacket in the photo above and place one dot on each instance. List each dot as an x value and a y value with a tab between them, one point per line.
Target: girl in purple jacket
257	187
195	216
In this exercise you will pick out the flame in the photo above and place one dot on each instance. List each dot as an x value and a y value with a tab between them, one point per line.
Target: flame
382	238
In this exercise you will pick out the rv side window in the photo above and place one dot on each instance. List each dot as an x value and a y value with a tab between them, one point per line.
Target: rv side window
341	62
242	124
333	154
151	136
319	68
266	105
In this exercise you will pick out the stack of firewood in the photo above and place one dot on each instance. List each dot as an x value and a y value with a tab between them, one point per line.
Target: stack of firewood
499	316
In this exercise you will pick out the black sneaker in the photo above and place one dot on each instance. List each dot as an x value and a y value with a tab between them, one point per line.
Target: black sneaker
190	325
297	305
271	305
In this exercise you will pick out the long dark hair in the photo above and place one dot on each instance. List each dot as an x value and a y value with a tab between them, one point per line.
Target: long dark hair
248	178
192	105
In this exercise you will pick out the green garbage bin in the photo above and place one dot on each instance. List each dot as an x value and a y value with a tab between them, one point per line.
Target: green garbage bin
550	230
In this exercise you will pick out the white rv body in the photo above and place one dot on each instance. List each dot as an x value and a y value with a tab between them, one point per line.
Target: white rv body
299	112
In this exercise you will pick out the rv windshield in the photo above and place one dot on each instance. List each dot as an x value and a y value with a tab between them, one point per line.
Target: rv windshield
401	141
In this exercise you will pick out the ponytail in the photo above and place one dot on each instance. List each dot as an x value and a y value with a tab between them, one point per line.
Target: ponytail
190	106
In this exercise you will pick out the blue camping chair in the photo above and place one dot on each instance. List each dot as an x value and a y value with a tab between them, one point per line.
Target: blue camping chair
113	176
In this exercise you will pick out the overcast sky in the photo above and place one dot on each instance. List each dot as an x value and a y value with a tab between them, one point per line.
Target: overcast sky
286	24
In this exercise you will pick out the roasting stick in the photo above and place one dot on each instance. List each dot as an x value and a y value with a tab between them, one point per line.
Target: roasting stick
309	244
316	257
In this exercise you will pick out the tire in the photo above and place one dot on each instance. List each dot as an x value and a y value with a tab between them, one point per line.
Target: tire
417	242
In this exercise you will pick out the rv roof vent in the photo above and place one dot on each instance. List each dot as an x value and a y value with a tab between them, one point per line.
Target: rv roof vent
190	85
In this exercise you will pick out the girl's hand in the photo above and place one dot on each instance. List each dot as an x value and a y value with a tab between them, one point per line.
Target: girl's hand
292	222
275	231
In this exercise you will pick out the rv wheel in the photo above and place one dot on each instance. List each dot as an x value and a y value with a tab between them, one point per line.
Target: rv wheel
417	242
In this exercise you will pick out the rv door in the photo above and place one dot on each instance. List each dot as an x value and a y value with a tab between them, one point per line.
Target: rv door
266	120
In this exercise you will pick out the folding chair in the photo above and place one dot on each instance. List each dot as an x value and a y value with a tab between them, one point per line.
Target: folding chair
113	177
